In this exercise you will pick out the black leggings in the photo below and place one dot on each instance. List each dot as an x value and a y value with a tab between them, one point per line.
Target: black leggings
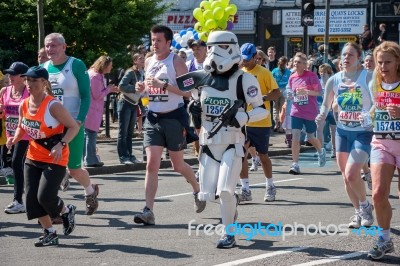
42	181
17	163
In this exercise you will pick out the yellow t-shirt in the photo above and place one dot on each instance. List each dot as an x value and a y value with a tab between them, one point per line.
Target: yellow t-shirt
267	84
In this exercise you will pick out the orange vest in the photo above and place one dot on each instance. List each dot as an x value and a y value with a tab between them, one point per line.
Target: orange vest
35	126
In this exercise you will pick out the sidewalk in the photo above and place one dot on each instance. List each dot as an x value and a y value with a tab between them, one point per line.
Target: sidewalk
107	150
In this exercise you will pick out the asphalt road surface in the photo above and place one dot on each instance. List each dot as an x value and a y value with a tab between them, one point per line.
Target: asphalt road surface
316	198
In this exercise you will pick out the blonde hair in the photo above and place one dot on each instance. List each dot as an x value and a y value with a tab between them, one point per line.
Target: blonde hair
135	57
101	63
47	88
301	56
326	68
264	57
385	47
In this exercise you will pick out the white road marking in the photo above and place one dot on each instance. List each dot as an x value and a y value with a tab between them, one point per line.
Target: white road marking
332	259
189	193
262	256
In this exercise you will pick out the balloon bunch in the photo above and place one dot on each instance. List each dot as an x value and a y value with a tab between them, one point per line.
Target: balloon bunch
214	15
180	39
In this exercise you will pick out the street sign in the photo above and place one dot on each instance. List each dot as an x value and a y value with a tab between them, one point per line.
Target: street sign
308	20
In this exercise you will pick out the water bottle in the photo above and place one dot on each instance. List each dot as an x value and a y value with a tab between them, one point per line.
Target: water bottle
367	119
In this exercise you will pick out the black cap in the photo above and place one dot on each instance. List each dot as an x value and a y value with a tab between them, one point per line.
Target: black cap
17	68
37	72
193	42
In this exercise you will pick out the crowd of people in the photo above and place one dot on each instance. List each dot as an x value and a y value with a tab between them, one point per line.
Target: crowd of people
349	106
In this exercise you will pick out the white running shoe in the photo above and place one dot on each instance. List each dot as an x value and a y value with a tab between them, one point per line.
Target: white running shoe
367	218
15	207
381	248
254	165
245	195
355	220
270	193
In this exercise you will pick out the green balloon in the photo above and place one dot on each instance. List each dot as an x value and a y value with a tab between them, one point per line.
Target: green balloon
205	5
208	14
198	14
203	36
224	3
199	26
211	24
215	4
231	10
221	24
218	13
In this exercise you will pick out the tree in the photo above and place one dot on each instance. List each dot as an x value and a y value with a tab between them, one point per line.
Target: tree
91	28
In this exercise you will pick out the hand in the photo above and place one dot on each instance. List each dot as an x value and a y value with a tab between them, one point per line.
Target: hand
9	143
319	120
112	88
302	91
154	82
140	86
56	152
393	110
194	107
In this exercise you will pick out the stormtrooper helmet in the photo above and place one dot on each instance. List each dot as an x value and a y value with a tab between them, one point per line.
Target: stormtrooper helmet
222	52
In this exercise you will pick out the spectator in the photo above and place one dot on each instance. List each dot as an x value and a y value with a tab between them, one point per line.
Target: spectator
367	42
369	62
127	108
47	155
182	54
98	90
272	62
71	85
166	121
281	75
10	99
383	35
261	58
42	56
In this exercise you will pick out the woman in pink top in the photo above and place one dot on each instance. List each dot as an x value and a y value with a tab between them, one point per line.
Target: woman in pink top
10	99
98	90
303	88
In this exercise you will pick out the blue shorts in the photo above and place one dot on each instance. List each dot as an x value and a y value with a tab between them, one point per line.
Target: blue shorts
298	123
258	138
347	141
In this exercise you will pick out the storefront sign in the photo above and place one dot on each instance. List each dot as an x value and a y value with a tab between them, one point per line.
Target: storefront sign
296	39
387	10
244	21
336	39
342	21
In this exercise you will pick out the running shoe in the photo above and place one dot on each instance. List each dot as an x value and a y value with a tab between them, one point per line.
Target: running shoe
294	169
199	205
333	154
226	241
254	165
91	201
47	239
245	195
64	186
69	219
355	220
367	218
197	175
6	171
321	158
381	248
368	179
270	193
14	207
146	217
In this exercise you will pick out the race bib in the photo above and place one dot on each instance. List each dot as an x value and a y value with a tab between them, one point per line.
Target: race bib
32	128
11	125
58	93
213	106
349	116
384	123
157	94
301	99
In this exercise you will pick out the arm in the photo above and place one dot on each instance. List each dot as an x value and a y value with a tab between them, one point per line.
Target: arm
274	92
63	116
128	81
180	69
97	88
329	96
82	77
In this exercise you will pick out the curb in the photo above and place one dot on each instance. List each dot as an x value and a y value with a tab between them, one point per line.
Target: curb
121	168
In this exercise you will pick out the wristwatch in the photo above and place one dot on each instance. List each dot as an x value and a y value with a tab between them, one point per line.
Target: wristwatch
165	86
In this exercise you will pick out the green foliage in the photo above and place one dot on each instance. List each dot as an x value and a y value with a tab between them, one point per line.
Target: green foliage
90	27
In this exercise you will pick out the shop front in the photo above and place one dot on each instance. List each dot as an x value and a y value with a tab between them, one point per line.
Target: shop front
345	25
389	14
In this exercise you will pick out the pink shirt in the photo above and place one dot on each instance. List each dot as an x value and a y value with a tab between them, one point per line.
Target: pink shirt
11	111
304	106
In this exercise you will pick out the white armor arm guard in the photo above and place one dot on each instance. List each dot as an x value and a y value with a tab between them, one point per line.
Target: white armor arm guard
252	93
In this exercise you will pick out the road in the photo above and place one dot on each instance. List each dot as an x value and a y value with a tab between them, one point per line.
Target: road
111	238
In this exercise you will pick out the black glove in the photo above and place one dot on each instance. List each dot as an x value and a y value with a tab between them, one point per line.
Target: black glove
234	123
194	108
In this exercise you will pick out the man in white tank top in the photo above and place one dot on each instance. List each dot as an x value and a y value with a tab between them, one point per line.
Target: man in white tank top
165	122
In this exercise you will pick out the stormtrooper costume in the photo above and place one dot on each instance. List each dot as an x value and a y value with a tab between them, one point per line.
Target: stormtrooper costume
221	156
